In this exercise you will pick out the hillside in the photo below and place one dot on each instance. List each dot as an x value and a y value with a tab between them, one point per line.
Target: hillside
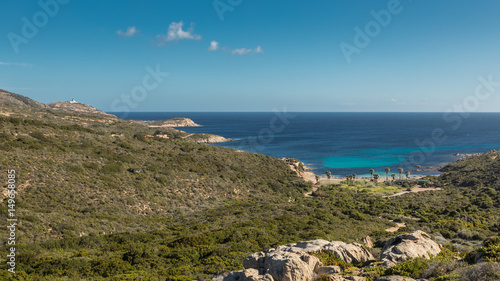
77	107
11	99
475	170
100	199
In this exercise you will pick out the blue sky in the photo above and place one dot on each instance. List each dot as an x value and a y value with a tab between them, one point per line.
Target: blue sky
254	55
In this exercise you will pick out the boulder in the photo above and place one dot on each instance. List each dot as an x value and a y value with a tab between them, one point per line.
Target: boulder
333	269
352	253
304	246
288	266
411	245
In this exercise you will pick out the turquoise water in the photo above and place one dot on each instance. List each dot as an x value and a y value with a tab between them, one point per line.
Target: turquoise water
391	156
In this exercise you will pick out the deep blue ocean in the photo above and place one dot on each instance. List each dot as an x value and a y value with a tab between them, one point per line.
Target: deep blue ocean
347	143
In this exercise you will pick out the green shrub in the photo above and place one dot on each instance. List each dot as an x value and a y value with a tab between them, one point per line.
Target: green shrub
112	168
411	268
491	249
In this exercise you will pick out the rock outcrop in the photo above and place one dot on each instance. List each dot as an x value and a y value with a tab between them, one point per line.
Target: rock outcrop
410	245
293	262
208	138
284	266
352	253
276	266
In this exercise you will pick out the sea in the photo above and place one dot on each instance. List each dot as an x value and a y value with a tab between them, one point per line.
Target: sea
349	143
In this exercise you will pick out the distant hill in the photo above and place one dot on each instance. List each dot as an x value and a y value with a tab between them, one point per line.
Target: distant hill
12	99
9	98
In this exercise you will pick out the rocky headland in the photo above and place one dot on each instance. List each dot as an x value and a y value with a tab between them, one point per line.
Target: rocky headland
170	123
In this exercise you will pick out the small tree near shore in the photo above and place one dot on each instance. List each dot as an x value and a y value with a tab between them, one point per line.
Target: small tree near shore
328	174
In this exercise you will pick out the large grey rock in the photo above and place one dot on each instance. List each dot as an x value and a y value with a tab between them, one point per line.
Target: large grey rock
289	266
351	253
411	245
395	278
304	246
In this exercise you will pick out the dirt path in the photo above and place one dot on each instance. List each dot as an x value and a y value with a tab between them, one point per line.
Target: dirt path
310	177
414	190
396	228
310	194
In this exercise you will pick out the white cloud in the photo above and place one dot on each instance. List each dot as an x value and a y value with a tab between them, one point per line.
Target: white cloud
214	46
15	63
245	51
131	31
175	32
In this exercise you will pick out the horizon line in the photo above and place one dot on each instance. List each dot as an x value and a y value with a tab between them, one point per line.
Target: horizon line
224	111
